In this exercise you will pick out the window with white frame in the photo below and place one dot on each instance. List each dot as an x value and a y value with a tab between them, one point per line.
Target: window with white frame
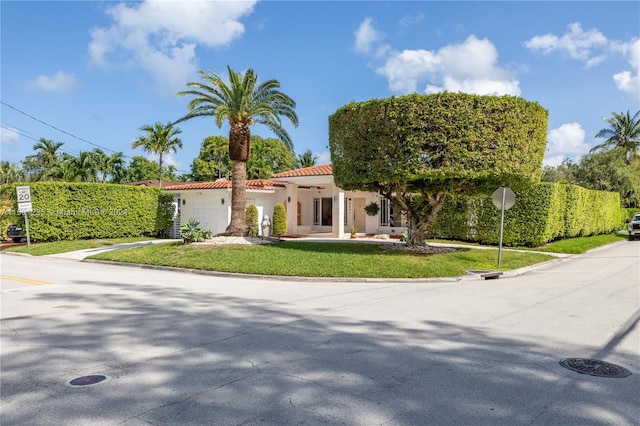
384	212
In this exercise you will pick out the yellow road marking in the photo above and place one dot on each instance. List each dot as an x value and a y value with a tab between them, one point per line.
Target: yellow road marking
23	280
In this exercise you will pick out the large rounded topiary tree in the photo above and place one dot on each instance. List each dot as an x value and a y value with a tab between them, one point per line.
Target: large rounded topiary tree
415	149
279	220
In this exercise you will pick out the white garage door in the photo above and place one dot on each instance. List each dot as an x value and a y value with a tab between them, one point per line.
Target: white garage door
207	215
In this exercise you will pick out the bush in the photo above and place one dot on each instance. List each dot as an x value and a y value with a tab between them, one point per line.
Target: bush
372	208
191	232
75	210
543	213
251	220
279	221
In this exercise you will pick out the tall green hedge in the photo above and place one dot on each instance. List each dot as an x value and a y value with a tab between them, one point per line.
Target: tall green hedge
72	210
543	213
439	142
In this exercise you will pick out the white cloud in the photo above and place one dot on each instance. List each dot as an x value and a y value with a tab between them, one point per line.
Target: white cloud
471	67
566	141
592	48
160	37
324	157
8	135
60	82
576	42
629	81
367	38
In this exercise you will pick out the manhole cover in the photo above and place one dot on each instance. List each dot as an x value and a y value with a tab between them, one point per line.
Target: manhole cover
84	381
595	367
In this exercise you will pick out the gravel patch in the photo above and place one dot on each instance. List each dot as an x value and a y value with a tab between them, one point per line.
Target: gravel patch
233	240
424	250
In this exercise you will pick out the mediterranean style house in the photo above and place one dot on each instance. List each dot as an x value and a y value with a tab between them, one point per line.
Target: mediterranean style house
314	204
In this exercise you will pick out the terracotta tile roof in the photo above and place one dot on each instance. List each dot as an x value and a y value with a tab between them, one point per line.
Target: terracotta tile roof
156	183
321	170
255	184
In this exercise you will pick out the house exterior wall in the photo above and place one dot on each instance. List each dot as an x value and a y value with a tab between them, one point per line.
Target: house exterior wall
206	206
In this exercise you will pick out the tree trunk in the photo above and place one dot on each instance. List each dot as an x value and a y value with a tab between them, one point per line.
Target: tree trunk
160	171
237	226
420	216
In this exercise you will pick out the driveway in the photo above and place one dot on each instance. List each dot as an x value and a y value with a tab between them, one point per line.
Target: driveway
191	349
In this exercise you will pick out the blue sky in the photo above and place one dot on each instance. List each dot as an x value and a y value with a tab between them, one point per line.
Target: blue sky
100	70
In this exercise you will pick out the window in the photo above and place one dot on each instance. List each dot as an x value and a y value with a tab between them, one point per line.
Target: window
384	212
387	216
322	211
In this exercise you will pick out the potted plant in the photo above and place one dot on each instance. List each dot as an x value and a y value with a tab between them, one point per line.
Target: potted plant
372	208
354	231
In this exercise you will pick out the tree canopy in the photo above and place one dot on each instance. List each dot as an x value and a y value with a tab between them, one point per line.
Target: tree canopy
416	148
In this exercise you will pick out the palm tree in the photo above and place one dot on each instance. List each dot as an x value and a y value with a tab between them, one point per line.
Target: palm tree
107	165
623	132
160	139
243	102
47	157
306	159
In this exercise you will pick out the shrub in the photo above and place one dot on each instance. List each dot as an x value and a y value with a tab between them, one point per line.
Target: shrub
543	213
191	232
279	221
76	210
372	208
251	220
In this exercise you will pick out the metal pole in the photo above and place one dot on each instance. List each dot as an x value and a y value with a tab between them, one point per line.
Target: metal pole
504	191
26	224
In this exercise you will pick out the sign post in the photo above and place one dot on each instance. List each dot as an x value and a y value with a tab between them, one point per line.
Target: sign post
503	198
24	206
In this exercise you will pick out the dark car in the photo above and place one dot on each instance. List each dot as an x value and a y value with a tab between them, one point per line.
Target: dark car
15	233
634	228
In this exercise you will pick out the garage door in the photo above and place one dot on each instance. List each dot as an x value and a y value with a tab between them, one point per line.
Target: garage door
207	215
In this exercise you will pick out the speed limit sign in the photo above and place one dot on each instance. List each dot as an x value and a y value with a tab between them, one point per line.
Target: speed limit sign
24	194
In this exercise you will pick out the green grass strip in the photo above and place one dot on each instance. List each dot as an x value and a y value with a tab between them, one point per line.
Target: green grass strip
55	247
321	259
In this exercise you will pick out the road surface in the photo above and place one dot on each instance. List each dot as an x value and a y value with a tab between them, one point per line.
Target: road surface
189	349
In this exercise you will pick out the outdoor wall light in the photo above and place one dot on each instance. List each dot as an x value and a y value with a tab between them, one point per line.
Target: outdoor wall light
288	199
222	201
184	201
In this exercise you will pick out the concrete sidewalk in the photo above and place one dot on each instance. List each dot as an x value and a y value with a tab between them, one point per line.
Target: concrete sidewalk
82	254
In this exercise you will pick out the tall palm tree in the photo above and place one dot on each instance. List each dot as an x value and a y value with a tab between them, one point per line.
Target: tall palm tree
623	132
306	159
242	102
160	139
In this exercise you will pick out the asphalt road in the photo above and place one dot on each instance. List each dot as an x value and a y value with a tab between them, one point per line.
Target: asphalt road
189	349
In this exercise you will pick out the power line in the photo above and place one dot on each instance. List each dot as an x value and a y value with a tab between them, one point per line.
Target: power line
55	128
20	132
65	132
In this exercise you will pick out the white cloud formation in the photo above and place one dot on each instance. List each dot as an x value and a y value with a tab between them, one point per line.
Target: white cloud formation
160	37
60	82
471	67
576	42
367	38
592	47
566	141
629	81
8	135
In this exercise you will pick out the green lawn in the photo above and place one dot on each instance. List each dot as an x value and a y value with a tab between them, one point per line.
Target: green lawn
321	259
41	249
581	244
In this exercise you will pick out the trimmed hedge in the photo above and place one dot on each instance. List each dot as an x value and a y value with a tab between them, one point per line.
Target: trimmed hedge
279	220
438	142
543	213
73	210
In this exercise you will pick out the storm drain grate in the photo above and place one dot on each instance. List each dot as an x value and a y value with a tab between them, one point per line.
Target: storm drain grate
91	380
595	367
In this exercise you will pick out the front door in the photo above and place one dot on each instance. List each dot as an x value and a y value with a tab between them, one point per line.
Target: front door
359	215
